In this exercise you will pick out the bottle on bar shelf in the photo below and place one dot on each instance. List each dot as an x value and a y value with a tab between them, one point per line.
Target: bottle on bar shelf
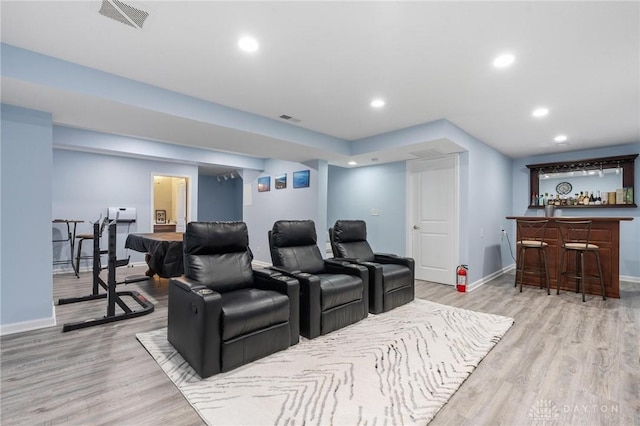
598	199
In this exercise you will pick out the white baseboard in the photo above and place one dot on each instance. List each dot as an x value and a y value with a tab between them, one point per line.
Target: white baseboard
476	284
89	268
488	278
630	279
19	327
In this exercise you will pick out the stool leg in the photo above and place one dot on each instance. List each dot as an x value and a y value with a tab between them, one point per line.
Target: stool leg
560	270
524	251
600	273
518	260
540	271
546	271
78	255
582	280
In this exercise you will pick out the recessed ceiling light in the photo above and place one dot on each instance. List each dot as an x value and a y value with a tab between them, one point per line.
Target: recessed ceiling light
503	61
248	44
540	112
560	138
377	103
352	163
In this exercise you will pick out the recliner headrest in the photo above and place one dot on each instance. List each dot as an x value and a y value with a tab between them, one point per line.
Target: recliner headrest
345	231
202	238
293	233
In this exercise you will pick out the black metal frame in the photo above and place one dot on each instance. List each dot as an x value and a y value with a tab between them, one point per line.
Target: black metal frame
113	297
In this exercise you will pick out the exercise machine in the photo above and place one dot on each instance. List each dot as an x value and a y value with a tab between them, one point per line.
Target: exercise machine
113	297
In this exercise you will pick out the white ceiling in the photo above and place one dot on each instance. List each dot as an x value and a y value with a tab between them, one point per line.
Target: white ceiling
323	62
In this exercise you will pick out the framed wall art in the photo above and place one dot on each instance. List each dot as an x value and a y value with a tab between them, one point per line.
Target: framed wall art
161	216
264	184
281	181
301	179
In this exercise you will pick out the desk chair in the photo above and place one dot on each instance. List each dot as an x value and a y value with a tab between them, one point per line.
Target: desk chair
531	237
575	237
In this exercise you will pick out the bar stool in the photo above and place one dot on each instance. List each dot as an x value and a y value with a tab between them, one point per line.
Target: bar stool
71	224
575	236
531	236
83	237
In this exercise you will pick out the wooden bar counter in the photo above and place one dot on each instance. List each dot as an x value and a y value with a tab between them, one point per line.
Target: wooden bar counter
605	232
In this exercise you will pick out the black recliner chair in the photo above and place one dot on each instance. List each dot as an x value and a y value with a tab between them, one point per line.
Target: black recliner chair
223	314
333	294
391	277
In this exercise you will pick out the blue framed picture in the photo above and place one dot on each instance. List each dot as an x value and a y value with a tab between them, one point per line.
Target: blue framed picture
281	181
301	179
264	184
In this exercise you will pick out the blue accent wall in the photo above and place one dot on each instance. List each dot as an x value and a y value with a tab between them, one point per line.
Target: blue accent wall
26	284
284	204
219	200
86	184
353	193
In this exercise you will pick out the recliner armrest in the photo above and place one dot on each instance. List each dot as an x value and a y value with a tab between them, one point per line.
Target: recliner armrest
347	268
346	259
392	258
267	279
283	270
284	284
266	272
186	284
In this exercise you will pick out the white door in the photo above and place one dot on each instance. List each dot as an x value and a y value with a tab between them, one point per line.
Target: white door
181	206
433	191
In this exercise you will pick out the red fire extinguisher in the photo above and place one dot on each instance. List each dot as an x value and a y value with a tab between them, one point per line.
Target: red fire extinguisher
461	275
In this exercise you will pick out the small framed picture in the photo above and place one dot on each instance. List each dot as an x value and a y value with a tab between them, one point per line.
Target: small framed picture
301	179
161	216
281	181
264	184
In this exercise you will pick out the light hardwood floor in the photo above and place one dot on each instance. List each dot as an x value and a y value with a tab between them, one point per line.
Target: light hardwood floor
563	362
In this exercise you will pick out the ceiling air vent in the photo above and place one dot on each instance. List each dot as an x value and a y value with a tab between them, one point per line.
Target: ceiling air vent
123	13
428	153
289	118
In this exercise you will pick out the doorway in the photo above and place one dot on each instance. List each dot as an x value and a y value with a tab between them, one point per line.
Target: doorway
169	199
433	218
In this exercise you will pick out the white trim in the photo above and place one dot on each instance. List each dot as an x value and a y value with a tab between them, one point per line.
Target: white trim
152	211
19	327
630	279
89	268
477	284
414	166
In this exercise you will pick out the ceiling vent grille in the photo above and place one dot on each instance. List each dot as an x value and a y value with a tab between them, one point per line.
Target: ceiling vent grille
289	118
123	13
428	153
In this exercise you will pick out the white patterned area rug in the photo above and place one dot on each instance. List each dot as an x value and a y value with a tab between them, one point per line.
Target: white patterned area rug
396	368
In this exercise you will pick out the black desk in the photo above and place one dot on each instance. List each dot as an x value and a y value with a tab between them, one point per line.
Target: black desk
163	250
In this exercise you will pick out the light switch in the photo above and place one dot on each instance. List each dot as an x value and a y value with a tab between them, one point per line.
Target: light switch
375	212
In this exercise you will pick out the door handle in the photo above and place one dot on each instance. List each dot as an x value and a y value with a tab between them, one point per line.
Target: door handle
416	227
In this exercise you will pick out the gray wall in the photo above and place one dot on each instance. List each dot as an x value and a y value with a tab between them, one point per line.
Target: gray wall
26	285
353	193
285	204
85	185
219	200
